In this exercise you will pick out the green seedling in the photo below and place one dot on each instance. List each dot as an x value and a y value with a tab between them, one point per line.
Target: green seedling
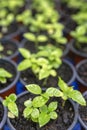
36	39
37	109
80	35
39	65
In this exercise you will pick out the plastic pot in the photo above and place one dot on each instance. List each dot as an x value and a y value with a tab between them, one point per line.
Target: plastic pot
13	32
71	127
11	87
82	83
10	45
2	123
75	54
71	82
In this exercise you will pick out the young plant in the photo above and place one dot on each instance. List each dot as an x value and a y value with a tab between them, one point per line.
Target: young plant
55	32
76	4
25	17
4	75
80	35
11	5
5	20
38	109
35	38
80	18
39	65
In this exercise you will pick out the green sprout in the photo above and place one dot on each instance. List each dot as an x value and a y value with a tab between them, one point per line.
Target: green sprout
37	109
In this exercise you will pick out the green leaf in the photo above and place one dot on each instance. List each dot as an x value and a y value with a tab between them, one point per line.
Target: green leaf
4	73
35	113
27	111
34	119
30	36
54	92
33	88
53	115
39	101
12	107
43	119
44	109
77	97
42	38
52	106
13	97
28	103
25	53
62	85
25	64
3	80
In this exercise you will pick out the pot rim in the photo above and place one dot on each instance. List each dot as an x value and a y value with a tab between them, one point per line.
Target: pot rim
4	116
16	77
16	43
77	52
77	76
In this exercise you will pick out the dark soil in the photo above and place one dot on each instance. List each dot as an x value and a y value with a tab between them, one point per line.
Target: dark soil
64	120
9	48
30	46
1	111
64	72
67	10
68	22
9	30
82	72
10	68
83	112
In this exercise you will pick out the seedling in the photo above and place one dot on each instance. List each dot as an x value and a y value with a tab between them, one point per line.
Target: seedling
80	35
81	4
11	4
37	109
39	65
4	75
25	17
55	32
35	38
80	17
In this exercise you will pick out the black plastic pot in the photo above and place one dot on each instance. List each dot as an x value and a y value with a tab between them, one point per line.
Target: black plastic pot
4	118
13	32
12	67
83	124
70	127
71	81
79	67
11	45
75	54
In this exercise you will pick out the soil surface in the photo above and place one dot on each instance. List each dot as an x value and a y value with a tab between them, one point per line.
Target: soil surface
9	30
1	111
64	72
10	68
9	48
30	46
64	120
83	112
82	72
